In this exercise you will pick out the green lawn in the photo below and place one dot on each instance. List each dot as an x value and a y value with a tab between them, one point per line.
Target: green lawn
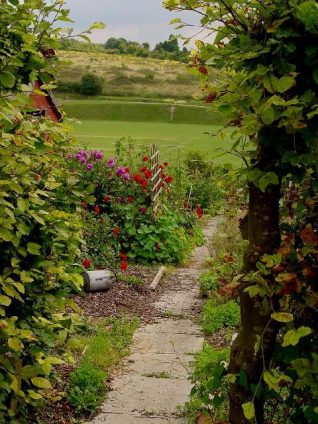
171	137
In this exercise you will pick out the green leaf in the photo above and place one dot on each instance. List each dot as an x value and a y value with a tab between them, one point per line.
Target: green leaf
292	337
7	79
5	234
15	344
267	179
33	248
41	382
282	316
268	116
5	300
283	84
23	204
307	13
249	410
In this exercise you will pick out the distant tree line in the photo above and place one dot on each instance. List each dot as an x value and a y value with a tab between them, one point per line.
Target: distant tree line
168	49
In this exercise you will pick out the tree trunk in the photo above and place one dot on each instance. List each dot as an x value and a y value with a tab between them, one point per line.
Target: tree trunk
264	237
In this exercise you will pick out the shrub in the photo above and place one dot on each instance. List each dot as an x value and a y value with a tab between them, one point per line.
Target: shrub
69	87
91	85
122	213
215	317
86	388
209	394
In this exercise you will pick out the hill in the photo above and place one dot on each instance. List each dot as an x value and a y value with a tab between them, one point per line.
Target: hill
128	76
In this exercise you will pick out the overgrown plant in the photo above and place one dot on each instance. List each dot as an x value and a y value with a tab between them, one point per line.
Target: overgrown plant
39	231
269	50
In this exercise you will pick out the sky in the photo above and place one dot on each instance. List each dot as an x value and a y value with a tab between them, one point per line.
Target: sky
137	20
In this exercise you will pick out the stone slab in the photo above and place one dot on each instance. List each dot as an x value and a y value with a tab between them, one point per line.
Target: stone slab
134	419
179	344
178	302
137	395
180	326
160	365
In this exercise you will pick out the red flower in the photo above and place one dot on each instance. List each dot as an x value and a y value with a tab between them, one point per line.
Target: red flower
186	204
116	231
127	169
137	178
143	210
169	179
145	158
97	210
199	212
203	70
144	183
163	174
86	263
123	257
161	166
147	174
143	169
211	97
166	164
107	199
124	266
131	199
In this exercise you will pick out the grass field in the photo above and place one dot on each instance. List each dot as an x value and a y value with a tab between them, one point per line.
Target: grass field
141	111
129	76
172	138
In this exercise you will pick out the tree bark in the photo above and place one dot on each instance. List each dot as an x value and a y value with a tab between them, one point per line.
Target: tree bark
264	237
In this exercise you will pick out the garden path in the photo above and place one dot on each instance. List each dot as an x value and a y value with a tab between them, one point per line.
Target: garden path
155	381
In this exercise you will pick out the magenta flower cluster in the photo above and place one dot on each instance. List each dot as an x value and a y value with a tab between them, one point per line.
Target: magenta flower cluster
86	158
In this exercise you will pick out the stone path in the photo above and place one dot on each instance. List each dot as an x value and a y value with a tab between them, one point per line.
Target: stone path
155	381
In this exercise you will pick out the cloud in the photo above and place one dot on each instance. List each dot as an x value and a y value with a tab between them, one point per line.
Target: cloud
141	20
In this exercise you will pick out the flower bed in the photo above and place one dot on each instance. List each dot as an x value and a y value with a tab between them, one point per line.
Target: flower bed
120	224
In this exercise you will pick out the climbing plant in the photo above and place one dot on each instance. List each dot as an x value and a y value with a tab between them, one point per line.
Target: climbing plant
39	231
266	52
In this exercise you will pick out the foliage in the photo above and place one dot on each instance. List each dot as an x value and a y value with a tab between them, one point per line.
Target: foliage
104	343
208	185
209	384
39	229
123	208
168	50
98	347
86	388
269	50
215	317
98	238
91	85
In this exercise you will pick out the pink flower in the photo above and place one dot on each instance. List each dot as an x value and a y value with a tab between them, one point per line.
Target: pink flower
90	166
143	210
98	155
111	163
120	171
126	176
70	156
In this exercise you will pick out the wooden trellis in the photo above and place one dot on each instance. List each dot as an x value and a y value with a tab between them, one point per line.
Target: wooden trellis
156	178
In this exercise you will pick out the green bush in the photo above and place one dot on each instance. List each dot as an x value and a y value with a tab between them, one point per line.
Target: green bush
40	231
86	388
215	317
209	393
91	85
208	282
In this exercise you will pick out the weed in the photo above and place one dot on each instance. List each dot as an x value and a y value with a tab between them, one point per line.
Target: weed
214	316
209	394
86	388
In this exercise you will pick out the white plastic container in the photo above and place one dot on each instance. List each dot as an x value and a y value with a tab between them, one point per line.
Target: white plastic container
99	280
